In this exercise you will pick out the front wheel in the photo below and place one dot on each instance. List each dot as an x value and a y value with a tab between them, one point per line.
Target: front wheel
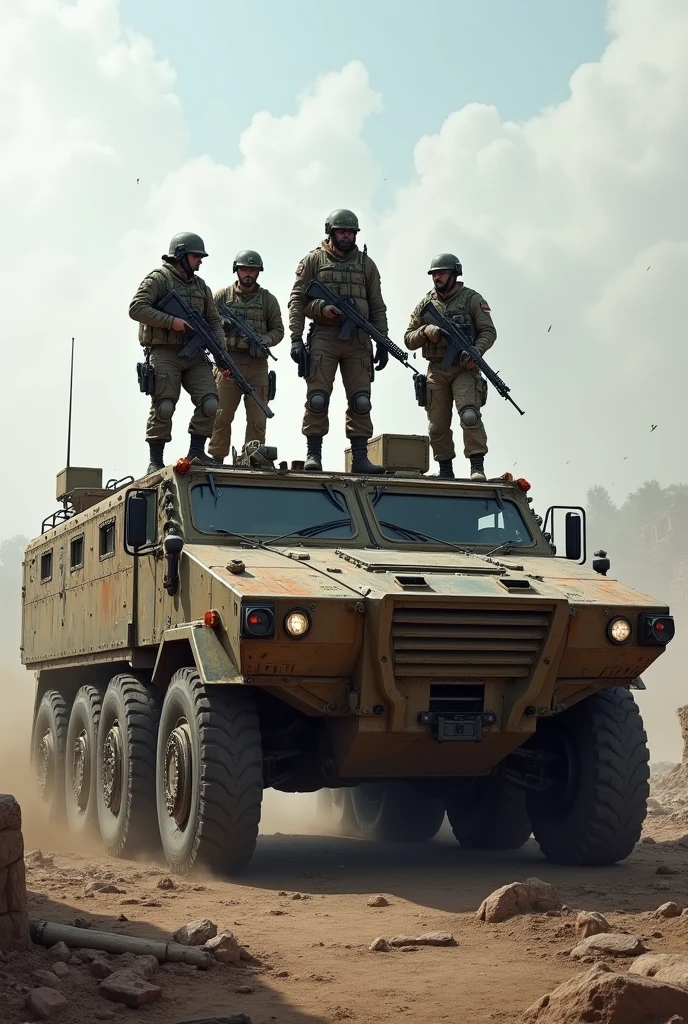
598	784
397	812
209	775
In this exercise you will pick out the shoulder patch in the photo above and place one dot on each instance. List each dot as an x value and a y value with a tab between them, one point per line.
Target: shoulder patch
485	306
300	269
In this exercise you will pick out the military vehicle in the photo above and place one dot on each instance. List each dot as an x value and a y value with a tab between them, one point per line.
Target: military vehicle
408	645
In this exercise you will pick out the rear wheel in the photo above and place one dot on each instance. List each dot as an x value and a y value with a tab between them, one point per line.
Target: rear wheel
80	761
489	814
125	767
335	811
596	802
48	753
397	812
209	775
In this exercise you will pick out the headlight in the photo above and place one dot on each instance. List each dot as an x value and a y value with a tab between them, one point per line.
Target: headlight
297	623
619	630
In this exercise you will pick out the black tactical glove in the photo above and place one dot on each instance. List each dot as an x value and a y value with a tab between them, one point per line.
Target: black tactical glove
381	357
297	349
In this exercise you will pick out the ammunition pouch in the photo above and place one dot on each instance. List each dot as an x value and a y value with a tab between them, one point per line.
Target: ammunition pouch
420	386
146	376
272	385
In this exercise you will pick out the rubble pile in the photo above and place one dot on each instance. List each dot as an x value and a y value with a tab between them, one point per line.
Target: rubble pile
14	921
669	783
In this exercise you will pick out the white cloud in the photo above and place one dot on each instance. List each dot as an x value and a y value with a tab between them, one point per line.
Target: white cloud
556	220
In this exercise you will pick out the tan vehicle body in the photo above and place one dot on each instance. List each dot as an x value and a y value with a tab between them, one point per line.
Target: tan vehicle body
407	638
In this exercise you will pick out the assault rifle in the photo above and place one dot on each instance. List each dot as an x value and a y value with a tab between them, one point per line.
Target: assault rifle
351	318
460	343
202	339
236	319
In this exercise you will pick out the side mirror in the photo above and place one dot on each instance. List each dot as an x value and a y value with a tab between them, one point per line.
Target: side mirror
139	522
574	536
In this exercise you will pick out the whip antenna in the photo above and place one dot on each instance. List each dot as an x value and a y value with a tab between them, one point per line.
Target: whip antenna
69	420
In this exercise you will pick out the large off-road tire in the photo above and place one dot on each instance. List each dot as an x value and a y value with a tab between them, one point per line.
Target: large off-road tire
335	811
48	753
209	775
489	814
125	767
397	812
595	813
80	761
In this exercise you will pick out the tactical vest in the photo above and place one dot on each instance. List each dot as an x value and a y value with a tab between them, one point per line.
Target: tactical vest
194	291
345	277
253	311
455	309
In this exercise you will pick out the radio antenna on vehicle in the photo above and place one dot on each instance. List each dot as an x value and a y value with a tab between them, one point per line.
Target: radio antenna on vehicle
69	415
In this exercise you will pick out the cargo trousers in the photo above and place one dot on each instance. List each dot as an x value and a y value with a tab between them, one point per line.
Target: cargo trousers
255	370
446	389
171	375
354	359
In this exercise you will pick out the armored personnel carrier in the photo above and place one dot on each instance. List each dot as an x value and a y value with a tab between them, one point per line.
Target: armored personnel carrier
410	646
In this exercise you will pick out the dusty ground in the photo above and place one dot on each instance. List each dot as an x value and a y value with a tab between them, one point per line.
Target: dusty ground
314	961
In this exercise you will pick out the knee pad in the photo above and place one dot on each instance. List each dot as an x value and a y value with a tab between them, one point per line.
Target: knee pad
209	405
360	402
317	401
469	416
164	410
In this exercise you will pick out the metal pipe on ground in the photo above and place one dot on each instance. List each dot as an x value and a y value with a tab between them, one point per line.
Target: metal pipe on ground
47	933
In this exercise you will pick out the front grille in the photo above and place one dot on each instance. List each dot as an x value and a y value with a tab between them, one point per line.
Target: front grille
457	698
462	643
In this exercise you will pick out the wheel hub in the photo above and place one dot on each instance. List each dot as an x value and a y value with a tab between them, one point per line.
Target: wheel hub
45	765
81	770
112	768
178	773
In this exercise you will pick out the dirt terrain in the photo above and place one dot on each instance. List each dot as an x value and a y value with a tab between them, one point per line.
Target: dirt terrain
302	911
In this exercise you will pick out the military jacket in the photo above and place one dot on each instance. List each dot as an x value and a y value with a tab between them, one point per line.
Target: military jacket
259	308
155	326
465	306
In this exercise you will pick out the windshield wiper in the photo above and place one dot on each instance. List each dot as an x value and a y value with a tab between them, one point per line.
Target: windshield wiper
503	548
416	535
309	531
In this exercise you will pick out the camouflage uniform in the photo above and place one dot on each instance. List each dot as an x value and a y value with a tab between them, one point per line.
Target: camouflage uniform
172	373
467	389
356	276
262	312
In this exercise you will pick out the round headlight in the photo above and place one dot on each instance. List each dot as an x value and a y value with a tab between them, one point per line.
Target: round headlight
619	630
297	623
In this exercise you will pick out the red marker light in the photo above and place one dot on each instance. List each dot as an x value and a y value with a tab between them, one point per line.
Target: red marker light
523	484
659	626
182	466
254	620
211	619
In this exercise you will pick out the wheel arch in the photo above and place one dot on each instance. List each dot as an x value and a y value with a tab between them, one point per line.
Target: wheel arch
194	644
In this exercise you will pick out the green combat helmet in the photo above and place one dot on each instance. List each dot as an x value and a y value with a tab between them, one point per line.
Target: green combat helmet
247	258
446	261
341	220
184	243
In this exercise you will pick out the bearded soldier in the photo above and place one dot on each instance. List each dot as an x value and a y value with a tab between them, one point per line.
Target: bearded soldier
462	384
339	263
162	336
260	310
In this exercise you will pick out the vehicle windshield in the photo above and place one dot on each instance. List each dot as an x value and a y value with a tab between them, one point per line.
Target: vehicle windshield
459	519
300	512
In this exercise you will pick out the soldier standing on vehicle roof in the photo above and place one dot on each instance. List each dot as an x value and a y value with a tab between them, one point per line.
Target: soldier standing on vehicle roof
339	263
163	335
260	309
463	383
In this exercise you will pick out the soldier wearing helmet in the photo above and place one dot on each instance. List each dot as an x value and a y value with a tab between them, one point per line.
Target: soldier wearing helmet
461	385
350	272
261	310
162	336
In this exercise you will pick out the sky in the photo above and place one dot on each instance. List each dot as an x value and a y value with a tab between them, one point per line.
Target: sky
548	148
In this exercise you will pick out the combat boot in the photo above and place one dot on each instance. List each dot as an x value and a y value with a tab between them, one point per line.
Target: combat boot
446	469
360	463
313	463
477	467
197	451
156	456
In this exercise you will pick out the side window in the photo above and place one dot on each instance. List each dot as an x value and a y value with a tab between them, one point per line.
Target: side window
46	566
106	540
76	553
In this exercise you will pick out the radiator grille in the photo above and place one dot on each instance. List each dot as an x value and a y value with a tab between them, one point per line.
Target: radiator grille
465	643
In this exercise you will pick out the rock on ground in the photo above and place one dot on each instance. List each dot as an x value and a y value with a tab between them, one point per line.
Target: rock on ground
129	988
591	923
530	897
431	939
669	967
379	946
224	947
45	1002
668	910
196	933
378	901
606	997
59	952
610	944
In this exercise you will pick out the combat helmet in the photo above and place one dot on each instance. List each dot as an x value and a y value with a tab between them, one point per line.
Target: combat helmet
184	243
341	220
446	261
247	258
